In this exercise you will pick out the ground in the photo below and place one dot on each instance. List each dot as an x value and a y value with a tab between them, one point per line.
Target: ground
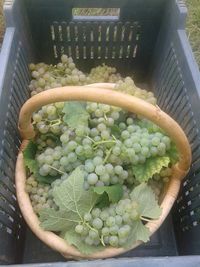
193	24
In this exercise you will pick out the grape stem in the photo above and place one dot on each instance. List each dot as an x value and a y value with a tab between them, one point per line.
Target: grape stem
96	144
102	242
55	169
107	155
90	139
105	117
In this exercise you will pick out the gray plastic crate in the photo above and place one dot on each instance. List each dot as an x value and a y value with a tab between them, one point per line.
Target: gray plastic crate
148	40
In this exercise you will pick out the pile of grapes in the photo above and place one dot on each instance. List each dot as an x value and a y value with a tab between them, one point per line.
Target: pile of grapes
116	153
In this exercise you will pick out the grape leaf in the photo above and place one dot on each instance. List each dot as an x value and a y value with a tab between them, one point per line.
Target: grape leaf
143	172
73	202
29	157
138	232
30	162
52	136
71	196
114	192
115	130
103	201
74	239
147	207
147	204
75	114
53	220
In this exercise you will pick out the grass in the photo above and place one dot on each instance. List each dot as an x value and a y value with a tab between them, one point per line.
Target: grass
193	22
193	26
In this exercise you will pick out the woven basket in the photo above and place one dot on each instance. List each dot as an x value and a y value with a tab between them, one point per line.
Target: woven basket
98	93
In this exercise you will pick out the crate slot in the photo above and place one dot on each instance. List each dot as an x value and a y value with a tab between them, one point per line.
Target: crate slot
93	35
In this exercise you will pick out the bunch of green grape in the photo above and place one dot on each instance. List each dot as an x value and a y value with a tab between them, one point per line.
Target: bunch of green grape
128	86
104	73
110	225
48	76
40	194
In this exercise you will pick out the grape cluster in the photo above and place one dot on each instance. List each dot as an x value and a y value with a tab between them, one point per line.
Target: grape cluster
65	73
128	86
136	144
103	73
47	76
158	181
49	119
99	174
96	145
110	225
40	194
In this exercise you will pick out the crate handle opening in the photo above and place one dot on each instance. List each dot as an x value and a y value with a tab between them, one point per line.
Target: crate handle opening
97	13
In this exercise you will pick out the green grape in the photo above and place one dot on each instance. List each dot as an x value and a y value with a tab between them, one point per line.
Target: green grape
100	169
118	169
134	215
92	178
89	166
104	215
114	230
87	217
110	221
105	178
116	150
125	134
97	223
105	231
109	168
96	212
114	241
93	234
79	228
155	141
72	145
105	135
118	219
64	161
64	138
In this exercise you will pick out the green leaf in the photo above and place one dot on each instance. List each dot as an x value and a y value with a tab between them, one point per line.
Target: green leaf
29	157
30	162
115	130
73	202
138	232
52	136
147	207
74	239
46	179
71	196
147	204
53	220
143	172
114	192
172	153
75	114
103	201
